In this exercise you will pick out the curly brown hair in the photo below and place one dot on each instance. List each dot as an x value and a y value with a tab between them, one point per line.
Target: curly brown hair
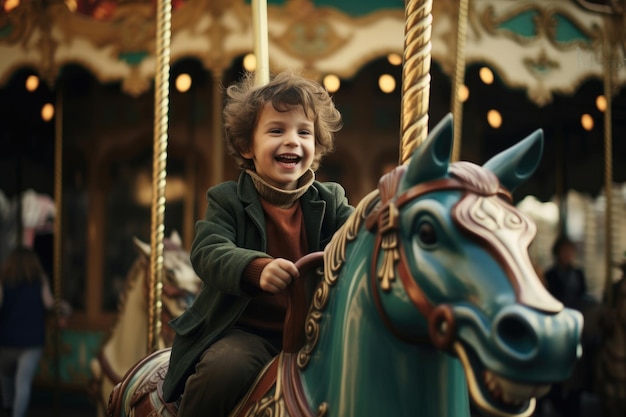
285	91
21	265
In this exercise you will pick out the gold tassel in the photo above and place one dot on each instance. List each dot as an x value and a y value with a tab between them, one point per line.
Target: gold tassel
390	257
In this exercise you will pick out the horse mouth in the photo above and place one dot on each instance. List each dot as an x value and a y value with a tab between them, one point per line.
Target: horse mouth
495	395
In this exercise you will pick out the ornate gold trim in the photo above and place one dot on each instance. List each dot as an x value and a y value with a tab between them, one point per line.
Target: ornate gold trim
550	26
21	22
540	66
309	36
545	25
490	22
334	257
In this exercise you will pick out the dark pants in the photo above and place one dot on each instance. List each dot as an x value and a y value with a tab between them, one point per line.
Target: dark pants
224	373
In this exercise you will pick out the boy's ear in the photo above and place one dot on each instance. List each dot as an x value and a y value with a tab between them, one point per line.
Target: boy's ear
248	154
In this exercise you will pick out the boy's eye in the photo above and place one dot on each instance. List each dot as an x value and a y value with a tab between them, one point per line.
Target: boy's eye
305	132
275	131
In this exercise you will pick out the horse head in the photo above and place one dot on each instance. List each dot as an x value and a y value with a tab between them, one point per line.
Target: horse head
461	265
180	282
126	343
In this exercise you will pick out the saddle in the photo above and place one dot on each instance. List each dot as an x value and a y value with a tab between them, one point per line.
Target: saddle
276	387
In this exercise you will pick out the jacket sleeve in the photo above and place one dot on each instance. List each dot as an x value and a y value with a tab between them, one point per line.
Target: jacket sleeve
216	255
341	208
344	209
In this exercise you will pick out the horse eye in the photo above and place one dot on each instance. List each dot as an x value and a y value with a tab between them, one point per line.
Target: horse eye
427	234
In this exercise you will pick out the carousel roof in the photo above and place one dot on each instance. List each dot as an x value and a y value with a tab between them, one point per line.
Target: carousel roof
545	47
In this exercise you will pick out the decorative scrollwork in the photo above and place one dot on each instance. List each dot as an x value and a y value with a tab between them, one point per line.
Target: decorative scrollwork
334	257
541	21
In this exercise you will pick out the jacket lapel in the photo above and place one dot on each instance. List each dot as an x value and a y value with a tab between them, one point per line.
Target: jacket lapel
313	211
252	205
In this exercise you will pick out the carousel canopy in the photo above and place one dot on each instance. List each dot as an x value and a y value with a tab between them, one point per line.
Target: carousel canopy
529	64
545	47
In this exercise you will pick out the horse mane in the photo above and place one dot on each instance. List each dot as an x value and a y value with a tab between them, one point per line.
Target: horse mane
334	257
137	270
476	178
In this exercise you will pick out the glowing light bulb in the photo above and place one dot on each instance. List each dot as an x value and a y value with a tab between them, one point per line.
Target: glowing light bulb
332	83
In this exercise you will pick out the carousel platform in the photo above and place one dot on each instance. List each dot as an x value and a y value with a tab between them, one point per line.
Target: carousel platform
43	405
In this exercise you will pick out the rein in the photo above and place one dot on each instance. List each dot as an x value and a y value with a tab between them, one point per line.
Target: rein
384	221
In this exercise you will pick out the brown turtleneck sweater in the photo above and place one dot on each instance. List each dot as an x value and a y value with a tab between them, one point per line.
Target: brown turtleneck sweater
286	238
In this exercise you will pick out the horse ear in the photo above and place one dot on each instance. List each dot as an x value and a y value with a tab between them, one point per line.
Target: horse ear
143	247
432	157
175	239
516	164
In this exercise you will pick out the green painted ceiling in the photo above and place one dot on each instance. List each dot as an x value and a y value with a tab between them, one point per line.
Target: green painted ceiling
352	7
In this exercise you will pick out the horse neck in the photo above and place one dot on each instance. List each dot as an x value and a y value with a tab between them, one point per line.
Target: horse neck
127	342
360	368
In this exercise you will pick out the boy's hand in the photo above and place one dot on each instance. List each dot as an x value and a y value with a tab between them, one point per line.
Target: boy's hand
277	275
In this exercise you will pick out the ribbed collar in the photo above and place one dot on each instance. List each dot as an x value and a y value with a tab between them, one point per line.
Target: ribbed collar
278	197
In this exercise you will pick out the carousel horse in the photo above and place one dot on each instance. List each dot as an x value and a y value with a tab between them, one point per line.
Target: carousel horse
426	299
611	364
127	341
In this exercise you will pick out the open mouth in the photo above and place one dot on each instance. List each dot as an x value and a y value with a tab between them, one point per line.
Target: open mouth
495	395
288	159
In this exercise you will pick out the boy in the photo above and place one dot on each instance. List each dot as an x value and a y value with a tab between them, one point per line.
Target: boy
253	231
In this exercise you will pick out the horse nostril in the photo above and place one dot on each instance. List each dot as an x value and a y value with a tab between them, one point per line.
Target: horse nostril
515	335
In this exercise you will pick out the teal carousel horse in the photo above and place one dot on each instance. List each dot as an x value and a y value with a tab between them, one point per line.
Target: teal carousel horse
426	300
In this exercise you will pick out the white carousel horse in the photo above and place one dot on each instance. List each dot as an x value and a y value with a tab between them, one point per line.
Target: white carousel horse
38	211
127	342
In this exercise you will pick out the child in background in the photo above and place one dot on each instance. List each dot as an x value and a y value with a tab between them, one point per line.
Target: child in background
25	299
252	233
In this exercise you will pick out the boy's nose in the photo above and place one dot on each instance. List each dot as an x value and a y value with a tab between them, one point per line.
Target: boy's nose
291	139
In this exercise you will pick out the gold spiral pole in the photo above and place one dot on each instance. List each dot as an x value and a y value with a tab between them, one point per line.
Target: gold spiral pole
459	79
261	42
161	106
57	236
607	52
415	76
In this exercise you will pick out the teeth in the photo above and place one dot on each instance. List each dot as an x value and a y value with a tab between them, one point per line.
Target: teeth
511	392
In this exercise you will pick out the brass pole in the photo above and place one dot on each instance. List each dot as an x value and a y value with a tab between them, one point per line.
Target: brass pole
58	234
217	166
261	42
607	52
415	76
161	106
459	79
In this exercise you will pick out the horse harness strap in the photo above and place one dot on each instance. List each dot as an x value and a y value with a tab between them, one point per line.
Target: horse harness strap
384	220
287	394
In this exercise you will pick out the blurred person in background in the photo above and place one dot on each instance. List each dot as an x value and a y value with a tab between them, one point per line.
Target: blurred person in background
25	300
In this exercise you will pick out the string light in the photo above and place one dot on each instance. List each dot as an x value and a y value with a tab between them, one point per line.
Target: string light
10	5
394	59
47	112
332	83
463	93
486	75
586	121
386	83
601	103
494	118
32	82
183	83
249	62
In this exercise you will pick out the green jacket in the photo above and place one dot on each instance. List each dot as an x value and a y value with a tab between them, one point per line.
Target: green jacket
231	235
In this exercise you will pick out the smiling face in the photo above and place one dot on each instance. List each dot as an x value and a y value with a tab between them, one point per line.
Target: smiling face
283	146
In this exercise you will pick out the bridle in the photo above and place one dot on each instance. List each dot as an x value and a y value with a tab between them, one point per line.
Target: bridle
384	221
